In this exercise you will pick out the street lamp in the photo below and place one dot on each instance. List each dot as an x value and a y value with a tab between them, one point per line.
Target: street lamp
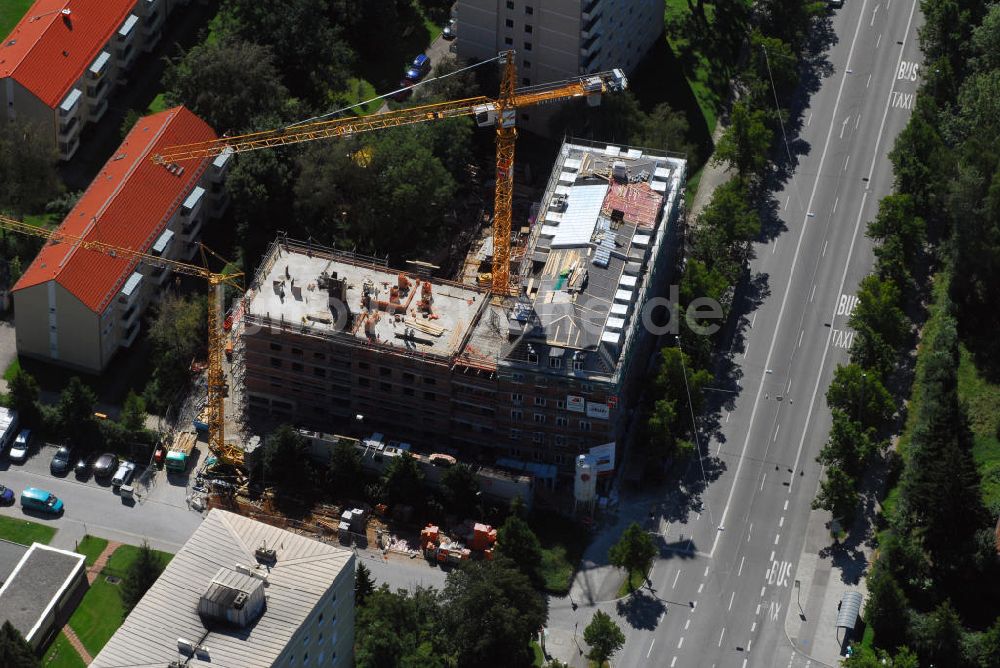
798	597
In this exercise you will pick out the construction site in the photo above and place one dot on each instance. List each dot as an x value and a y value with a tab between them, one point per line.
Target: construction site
337	342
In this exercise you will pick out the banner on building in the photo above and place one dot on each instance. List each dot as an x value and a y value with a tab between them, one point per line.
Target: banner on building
598	411
575	404
602	457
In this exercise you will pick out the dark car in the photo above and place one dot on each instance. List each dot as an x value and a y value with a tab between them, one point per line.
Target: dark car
105	466
419	68
6	496
82	466
451	30
404	92
62	461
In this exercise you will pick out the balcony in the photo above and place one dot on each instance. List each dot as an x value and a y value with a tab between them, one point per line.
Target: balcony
130	334
592	27
70	103
129	295
99	67
67	149
590	45
96	111
69	128
588	9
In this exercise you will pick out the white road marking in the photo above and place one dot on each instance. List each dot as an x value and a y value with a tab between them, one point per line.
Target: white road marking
749	642
675	579
753	628
706	572
847	161
878	139
740	572
801	332
788	388
761	489
674	661
749	531
879	40
680	642
774	246
753	320
700	587
786	203
777	537
776	433
758	609
731	597
835	203
744	663
728	413
781	522
687	624
874	12
762	592
810	119
786	505
772	556
843	125
825	243
869	82
812	294
857	122
650	648
722	635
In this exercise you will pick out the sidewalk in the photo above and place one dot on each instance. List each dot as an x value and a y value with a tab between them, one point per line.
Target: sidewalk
813	632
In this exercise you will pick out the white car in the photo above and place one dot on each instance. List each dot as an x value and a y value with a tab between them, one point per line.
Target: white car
123	475
19	450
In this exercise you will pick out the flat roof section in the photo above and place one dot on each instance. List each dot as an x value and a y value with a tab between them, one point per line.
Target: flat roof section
327	294
10	555
35	584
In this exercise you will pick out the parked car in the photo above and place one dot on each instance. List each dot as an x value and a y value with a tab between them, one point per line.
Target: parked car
19	451
450	30
105	465
62	461
40	499
82	466
123	475
404	92
6	495
419	68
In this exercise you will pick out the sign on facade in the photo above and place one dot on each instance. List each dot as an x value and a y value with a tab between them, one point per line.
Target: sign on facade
599	411
575	404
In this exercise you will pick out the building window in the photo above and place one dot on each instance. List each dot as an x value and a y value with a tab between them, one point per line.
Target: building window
560	404
517	378
525	81
362	365
538	437
532	358
555	362
363	382
409	391
586	387
430	396
509	23
527	46
516	398
510	4
319	372
540	418
560	440
577	364
430	381
515	434
540	401
529	10
559	459
319	620
296	366
385	387
319	356
528	29
384	371
584	425
526	64
275	362
560	421
516	415
296	351
408	377
508	41
274	346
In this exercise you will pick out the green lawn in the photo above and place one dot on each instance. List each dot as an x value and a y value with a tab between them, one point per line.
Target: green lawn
98	616
62	655
700	68
536	649
632	583
42	220
91	547
982	398
563	543
157	105
11	12
358	90
124	556
24	532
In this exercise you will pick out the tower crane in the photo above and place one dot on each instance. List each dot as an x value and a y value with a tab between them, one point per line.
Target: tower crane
500	112
216	282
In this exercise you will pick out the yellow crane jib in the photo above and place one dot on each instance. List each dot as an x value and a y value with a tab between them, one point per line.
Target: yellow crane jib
500	112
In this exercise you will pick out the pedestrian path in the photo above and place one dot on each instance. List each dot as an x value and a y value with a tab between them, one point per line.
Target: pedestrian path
102	559
77	645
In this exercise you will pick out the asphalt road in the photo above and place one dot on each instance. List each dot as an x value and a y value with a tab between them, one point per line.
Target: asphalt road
721	594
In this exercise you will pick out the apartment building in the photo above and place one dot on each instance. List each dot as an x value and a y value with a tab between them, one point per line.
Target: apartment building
557	39
336	341
59	64
76	307
242	594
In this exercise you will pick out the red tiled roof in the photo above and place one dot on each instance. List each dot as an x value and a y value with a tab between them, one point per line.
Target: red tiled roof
48	50
128	205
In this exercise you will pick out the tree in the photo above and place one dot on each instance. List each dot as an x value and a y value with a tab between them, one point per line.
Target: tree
771	59
460	490
133	416
228	82
23	389
345	474
870	351
140	576
897	219
665	129
849	445
286	461
887	608
745	143
404	482
633	552
364	586
939	636
878	308
28	159
604	637
861	396
177	335
837	494
921	162
491	612
868	658
730	210
986	647
400	629
517	542
15	651
76	411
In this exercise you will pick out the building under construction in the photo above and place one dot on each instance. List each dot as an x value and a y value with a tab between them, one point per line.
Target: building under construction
339	342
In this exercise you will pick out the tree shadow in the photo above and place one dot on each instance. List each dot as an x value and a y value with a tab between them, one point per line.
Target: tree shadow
641	610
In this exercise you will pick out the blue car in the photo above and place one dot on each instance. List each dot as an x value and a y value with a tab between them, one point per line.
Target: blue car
41	500
6	496
419	68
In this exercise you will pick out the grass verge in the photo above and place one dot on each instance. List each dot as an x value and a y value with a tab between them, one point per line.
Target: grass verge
704	75
91	548
62	655
563	543
539	656
358	90
632	583
25	532
11	12
12	370
98	616
48	220
981	399
123	557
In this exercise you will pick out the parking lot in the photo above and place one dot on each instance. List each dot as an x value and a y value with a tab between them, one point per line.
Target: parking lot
159	514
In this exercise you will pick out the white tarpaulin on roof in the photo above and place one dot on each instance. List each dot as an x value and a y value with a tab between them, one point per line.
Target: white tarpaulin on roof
583	206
